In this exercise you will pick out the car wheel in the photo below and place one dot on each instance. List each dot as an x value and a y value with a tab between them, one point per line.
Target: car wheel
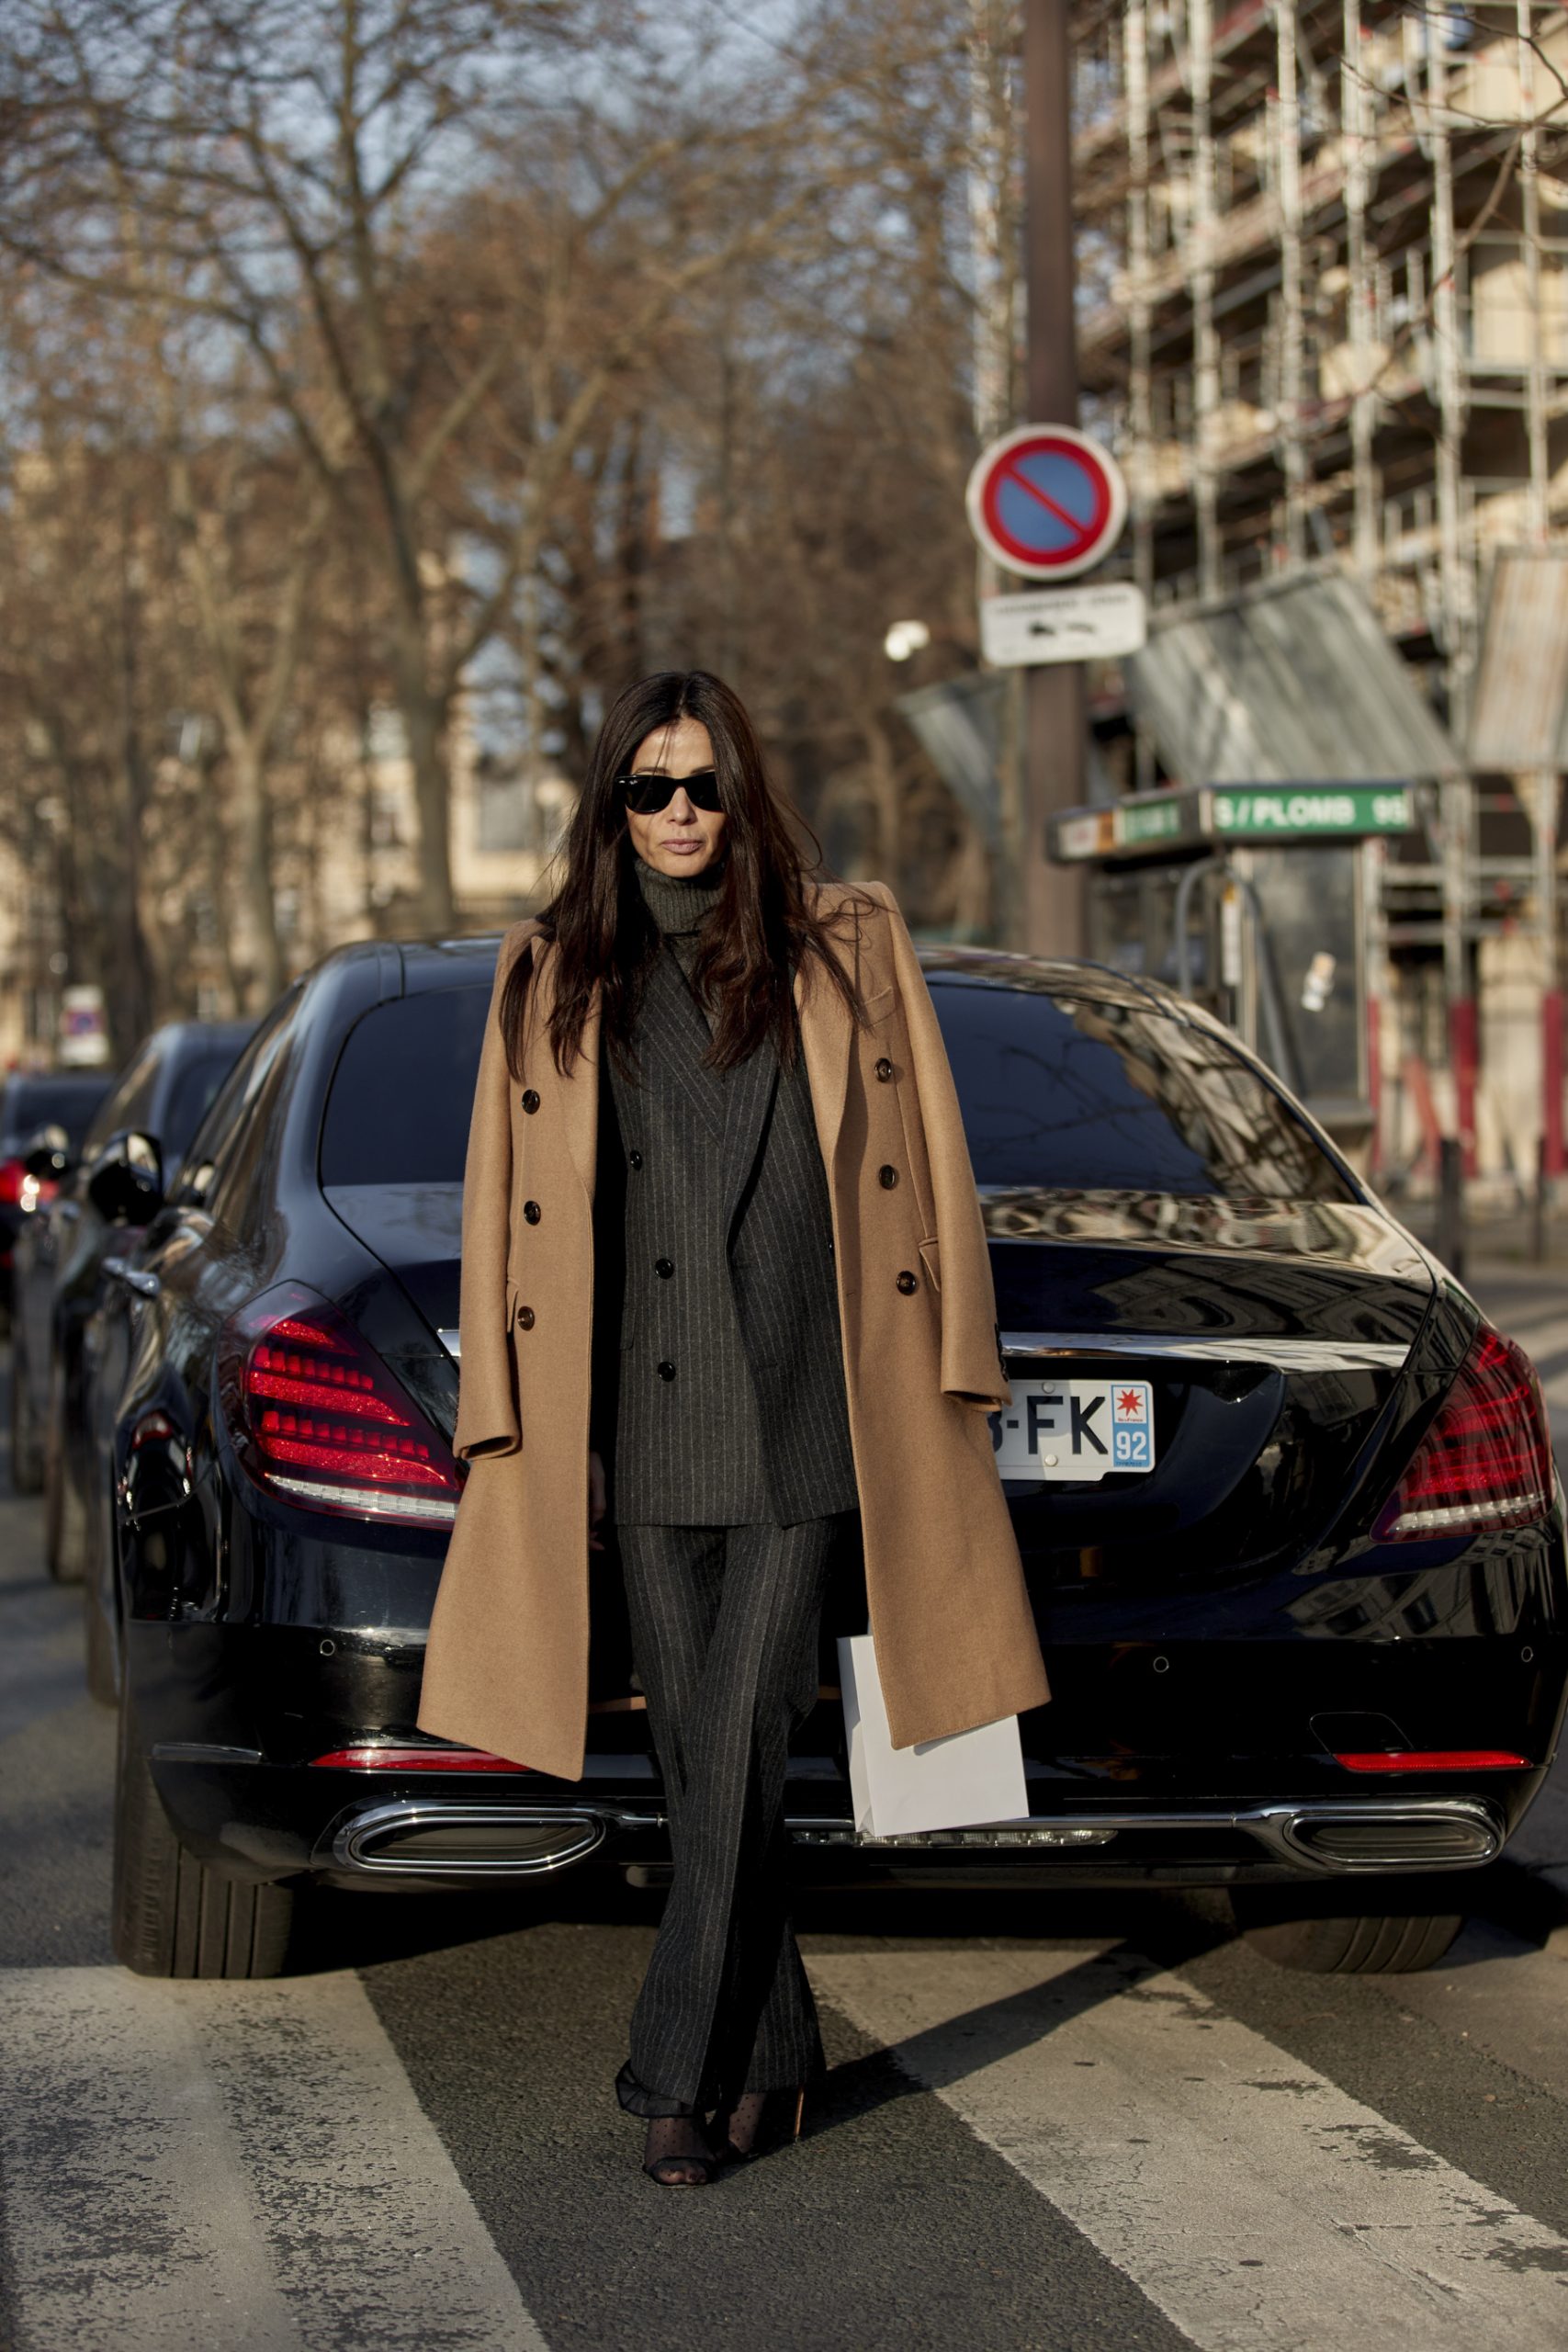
172	1916
1293	1932
26	1454
64	1544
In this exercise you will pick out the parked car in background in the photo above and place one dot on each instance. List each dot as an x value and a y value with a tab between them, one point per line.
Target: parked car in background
45	1113
1285	1501
63	1265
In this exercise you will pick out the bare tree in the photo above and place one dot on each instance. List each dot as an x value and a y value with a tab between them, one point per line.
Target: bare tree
299	159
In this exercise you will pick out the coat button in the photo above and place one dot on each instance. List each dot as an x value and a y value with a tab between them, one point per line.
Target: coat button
634	1158
888	1177
526	1316
666	1371
884	1068
531	1211
664	1268
530	1099
907	1281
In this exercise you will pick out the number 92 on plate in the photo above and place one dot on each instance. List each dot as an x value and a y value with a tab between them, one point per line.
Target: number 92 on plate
1075	1429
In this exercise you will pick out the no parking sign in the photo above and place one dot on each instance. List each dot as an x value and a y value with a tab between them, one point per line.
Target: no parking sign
1046	501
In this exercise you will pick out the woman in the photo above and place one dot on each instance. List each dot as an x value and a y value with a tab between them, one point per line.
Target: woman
724	1282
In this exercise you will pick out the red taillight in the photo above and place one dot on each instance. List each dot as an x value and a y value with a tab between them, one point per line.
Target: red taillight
1486	1460
12	1177
1435	1760
317	1417
374	1758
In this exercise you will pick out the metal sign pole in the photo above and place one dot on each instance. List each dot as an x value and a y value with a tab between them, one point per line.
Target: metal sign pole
1052	897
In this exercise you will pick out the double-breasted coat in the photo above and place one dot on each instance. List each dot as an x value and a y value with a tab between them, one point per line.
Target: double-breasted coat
506	1667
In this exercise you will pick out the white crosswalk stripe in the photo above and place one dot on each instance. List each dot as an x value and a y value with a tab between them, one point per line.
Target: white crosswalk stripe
1259	2207
230	2169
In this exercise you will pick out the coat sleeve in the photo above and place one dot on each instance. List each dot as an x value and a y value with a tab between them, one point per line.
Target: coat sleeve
971	1352
487	1401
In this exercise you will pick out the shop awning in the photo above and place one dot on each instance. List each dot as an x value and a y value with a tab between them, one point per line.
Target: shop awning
1294	682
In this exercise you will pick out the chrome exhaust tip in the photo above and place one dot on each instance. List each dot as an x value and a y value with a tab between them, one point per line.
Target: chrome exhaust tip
426	1838
1419	1834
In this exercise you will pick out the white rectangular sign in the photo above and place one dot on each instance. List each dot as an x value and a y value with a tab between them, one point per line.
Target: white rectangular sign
1063	625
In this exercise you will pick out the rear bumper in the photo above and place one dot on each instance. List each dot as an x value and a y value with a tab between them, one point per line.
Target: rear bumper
367	1830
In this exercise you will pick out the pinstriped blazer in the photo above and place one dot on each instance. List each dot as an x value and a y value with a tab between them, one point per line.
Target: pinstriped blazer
718	1237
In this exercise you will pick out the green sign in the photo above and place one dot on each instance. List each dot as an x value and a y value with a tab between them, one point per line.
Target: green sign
1274	812
1148	820
1235	812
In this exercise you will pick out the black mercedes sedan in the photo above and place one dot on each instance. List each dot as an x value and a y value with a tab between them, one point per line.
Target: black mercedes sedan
1286	1501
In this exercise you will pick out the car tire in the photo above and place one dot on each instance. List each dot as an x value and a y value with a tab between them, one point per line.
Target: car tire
26	1453
1293	1933
64	1527
172	1915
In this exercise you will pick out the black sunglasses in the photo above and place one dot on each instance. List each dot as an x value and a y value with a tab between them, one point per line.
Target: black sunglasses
652	790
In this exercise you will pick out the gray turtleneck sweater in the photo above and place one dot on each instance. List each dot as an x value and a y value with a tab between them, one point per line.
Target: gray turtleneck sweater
680	904
731	1408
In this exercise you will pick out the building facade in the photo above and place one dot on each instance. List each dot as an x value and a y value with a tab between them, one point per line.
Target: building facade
1324	320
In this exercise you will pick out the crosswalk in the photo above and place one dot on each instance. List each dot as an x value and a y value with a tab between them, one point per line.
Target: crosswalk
230	2169
1252	2202
247	2168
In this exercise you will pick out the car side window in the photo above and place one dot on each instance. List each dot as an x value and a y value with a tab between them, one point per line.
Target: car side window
118	1109
142	1097
210	1157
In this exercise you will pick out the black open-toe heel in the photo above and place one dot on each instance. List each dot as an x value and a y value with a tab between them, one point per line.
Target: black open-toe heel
757	2122
677	2153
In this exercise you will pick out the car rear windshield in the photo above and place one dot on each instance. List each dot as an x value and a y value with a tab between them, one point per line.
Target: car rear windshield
33	1102
1058	1093
1066	1094
404	1091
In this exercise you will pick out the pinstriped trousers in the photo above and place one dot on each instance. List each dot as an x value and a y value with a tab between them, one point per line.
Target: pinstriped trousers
723	1628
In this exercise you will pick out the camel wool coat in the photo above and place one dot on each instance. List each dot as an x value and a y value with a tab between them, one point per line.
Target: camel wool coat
507	1663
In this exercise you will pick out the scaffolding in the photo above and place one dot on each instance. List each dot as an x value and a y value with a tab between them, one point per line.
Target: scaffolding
1324	315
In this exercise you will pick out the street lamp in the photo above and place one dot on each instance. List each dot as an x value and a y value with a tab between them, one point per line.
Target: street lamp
906	638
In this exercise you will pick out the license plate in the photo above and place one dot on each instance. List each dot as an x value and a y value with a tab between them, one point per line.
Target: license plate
1075	1429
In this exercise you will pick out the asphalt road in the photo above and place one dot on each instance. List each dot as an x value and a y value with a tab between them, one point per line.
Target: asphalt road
1048	2123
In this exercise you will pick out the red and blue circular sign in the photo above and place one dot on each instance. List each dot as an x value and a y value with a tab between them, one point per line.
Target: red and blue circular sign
1046	501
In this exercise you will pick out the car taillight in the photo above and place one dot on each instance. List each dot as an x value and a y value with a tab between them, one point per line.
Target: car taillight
1486	1460
375	1756
12	1177
1434	1759
319	1419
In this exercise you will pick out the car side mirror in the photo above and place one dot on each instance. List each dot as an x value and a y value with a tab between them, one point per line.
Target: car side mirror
48	1156
125	1184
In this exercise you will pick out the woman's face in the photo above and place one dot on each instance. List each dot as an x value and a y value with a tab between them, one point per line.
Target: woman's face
679	839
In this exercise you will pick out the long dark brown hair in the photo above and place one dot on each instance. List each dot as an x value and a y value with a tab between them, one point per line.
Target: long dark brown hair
762	927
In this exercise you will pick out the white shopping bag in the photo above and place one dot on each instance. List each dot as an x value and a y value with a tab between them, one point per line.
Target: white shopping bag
955	1784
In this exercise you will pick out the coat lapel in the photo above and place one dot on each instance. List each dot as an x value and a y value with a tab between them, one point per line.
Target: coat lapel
748	1098
580	1094
672	1032
827	1033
